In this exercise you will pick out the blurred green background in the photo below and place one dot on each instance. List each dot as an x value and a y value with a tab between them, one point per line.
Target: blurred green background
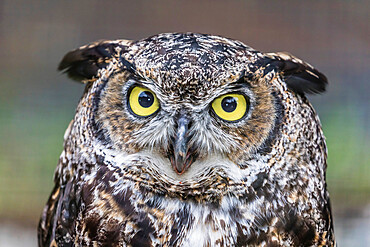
37	102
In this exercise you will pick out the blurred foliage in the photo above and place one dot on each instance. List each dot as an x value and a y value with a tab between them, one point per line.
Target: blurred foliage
29	151
349	157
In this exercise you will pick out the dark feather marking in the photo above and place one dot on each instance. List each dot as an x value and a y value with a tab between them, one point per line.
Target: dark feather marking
112	233
257	184
130	67
183	221
301	231
299	77
92	223
267	146
142	237
99	131
47	221
64	226
123	200
82	64
242	239
86	192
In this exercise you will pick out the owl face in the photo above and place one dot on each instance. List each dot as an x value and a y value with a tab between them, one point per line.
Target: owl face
188	97
182	103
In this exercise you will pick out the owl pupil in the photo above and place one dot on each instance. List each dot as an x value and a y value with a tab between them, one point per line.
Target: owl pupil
146	99
228	104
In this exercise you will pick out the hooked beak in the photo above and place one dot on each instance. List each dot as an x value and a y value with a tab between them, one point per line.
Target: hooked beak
182	157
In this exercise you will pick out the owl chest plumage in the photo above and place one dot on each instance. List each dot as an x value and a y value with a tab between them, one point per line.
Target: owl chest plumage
118	201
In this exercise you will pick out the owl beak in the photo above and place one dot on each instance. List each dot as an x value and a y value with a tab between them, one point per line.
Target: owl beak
181	158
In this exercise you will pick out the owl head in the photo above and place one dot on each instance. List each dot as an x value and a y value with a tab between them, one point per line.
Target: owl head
190	100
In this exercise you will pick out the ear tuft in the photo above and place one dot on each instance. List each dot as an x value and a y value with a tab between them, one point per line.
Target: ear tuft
299	76
83	63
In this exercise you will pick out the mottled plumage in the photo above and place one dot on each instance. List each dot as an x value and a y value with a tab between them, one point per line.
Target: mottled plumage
152	158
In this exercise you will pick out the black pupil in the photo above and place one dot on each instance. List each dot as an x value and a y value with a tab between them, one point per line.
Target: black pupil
146	99
228	104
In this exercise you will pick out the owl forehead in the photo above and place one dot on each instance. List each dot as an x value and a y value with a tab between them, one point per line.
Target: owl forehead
191	65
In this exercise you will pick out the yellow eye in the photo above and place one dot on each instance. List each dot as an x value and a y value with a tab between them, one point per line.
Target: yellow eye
143	102
230	107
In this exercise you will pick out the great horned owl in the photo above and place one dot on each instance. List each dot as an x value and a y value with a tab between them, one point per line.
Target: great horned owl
185	139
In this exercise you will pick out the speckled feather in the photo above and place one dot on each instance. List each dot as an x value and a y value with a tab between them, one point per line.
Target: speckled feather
259	181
